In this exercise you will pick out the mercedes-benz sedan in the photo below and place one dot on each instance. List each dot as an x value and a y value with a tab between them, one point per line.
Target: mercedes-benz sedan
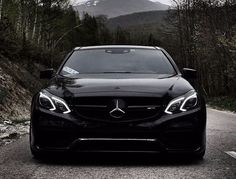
119	99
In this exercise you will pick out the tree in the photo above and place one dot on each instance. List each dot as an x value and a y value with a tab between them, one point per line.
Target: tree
203	29
1	9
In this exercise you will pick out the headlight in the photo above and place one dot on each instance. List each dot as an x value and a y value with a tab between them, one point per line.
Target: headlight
183	103
189	102
53	103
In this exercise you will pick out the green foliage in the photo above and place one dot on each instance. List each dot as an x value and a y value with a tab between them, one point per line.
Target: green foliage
224	102
3	95
201	36
88	32
153	19
8	46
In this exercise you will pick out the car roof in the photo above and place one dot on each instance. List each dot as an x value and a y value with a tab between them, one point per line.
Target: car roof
115	46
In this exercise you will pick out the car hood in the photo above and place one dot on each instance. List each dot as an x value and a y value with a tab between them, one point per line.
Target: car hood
119	85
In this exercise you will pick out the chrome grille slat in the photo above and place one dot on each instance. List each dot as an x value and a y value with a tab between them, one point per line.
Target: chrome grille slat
91	106
134	107
116	139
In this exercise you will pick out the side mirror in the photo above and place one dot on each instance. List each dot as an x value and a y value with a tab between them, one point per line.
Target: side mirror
47	74
189	74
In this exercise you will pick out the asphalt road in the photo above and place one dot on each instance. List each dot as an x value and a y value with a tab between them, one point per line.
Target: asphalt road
17	162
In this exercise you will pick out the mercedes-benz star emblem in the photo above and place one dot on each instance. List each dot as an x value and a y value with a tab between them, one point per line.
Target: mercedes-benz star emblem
117	112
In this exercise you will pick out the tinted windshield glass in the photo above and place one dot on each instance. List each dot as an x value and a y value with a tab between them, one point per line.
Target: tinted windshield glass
117	61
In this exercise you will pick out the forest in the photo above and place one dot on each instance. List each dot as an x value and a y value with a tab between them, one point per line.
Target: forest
200	34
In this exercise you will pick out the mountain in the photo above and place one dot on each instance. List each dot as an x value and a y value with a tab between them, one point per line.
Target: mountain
138	19
140	24
114	8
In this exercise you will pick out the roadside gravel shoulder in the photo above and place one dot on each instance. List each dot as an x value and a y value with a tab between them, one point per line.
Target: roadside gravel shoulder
11	131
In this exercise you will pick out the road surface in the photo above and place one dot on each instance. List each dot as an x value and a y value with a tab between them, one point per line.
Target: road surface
17	162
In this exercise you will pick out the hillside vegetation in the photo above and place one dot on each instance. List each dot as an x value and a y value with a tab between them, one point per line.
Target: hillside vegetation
16	89
36	34
152	18
18	76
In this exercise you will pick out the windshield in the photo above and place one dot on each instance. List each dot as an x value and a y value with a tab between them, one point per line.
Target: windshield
117	60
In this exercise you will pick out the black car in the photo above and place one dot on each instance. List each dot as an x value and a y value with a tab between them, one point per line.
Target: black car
118	99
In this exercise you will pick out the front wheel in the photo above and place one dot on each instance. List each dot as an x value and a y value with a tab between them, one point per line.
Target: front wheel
37	154
200	155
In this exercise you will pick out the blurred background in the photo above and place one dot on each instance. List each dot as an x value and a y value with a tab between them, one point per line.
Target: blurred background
37	34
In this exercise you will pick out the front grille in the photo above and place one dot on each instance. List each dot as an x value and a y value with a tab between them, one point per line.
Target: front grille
99	108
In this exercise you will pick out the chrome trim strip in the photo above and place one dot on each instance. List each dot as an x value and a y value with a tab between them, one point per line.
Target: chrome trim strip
91	106
131	107
116	139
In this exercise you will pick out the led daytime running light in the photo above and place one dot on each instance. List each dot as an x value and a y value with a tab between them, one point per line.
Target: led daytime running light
55	99
190	97
68	110
171	103
41	95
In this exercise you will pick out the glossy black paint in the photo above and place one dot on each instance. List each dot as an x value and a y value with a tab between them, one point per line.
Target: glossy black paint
177	133
47	74
113	85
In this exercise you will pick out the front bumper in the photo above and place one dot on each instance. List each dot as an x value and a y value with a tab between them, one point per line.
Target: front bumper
180	133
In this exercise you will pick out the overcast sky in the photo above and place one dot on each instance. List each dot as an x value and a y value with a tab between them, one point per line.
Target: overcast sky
162	1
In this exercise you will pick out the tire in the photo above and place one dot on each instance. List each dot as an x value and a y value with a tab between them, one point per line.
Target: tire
200	155
37	154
